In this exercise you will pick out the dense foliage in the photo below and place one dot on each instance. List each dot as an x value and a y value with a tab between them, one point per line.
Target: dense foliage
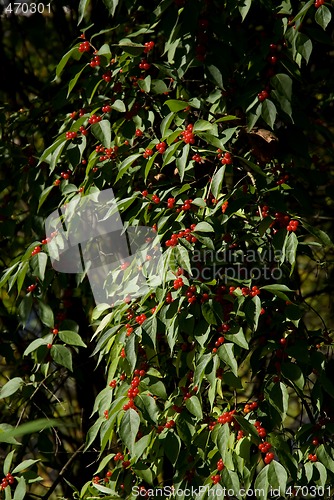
212	122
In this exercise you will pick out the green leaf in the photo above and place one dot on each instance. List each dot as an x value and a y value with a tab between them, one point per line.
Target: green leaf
283	84
45	314
182	257
217	181
325	458
145	84
71	338
148	406
216	76
20	490
172	446
158	87
304	46
319	234
277	476
181	161
194	406
277	290
226	353
278	397
200	368
43	196
291	249
24	465
8	462
208	314
126	164
175	105
73	52
111	5
269	112
119	105
102	132
11	387
8	432
129	428
202	125
253	311
252	166
262	484
323	16
74	80
204	227
62	356
150	327
237	338
143	471
35	344
83	7
223	435
244	8
38	264
293	373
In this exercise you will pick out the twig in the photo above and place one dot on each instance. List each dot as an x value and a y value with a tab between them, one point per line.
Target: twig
62	472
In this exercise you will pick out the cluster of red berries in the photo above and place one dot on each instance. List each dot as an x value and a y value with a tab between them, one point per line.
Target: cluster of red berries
186	233
96	61
107	76
292	226
282	179
118	457
225	159
191	294
106	414
106	108
113	384
178	283
227	417
269	457
171	202
161	147
240	435
265	211
312	458
147	153
155	199
197	158
148	46
220	464
65	175
123	353
319	3
84	131
138	132
251	292
187	134
263	95
170	424
129	329
144	65
186	206
264	447
224	206
94	119
250	407
31	288
215	479
9	479
141	318
71	135
109	153
36	250
218	343
133	391
260	430
84	47
169	298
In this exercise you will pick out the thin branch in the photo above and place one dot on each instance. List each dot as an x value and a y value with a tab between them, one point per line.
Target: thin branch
62	472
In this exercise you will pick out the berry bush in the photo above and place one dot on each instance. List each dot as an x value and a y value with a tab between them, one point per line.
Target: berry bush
213	124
